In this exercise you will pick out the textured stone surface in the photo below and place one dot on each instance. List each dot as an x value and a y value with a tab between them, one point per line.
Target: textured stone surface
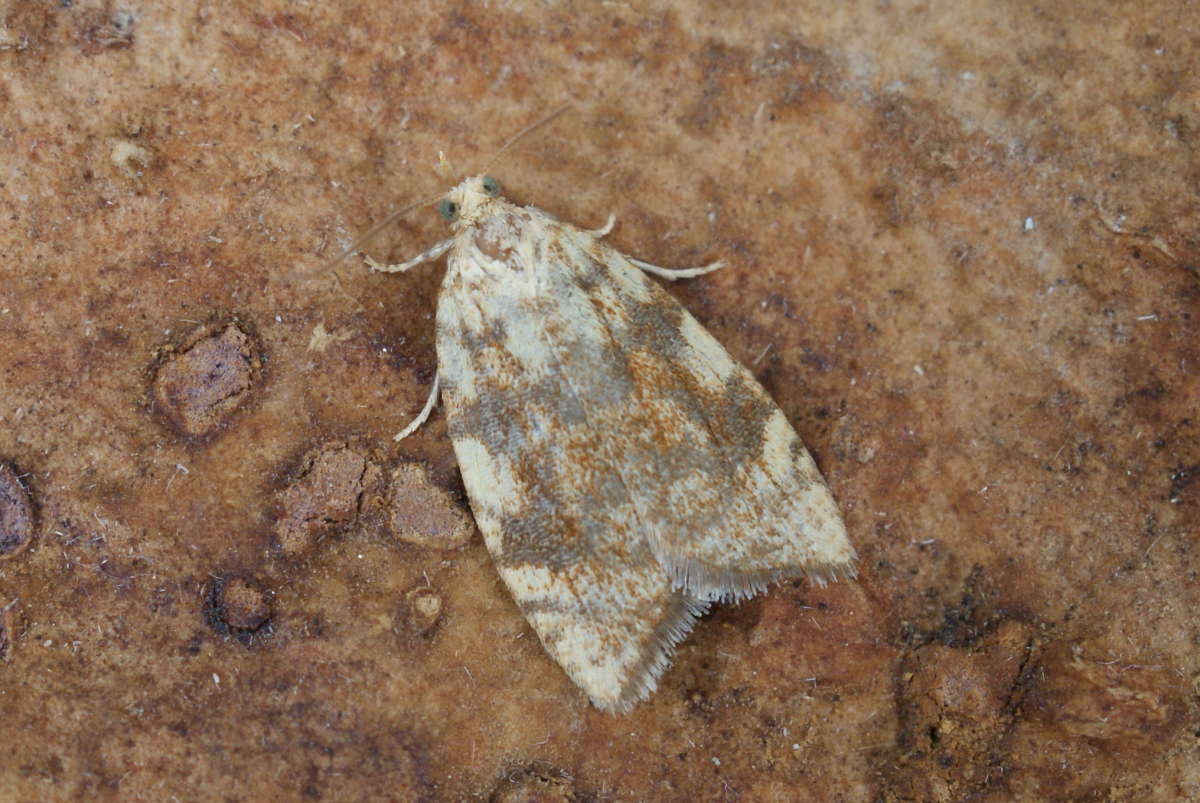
963	255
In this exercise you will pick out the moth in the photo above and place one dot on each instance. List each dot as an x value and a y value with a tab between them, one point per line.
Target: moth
624	470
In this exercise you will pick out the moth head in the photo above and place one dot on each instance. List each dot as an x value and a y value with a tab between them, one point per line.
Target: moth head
470	200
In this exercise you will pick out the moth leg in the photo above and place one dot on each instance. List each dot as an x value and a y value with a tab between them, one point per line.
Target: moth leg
606	228
426	256
422	416
676	273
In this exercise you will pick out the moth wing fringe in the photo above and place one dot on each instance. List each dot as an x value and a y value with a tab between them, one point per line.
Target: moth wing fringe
724	584
643	676
718	584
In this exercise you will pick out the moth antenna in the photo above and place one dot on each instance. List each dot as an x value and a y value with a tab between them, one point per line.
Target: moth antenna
371	232
394	216
529	129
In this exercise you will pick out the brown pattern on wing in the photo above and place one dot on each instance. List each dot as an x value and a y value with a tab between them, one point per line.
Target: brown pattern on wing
729	496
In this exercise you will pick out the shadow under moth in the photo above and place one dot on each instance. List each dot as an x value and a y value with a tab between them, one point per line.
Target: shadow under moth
624	470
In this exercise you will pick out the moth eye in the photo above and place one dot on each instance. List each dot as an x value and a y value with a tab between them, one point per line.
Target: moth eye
448	209
491	186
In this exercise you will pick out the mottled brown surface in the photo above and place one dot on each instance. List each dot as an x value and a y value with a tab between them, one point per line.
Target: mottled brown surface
963	255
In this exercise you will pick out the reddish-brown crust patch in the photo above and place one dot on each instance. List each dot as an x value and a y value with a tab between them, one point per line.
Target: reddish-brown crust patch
198	385
424	514
245	605
323	498
239	607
